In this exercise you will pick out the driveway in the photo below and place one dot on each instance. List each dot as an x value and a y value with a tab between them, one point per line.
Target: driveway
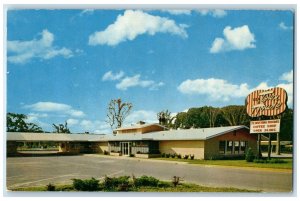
34	171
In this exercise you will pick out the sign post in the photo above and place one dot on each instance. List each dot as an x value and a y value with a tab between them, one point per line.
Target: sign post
266	103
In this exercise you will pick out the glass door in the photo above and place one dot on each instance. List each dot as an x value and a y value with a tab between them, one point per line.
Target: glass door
125	148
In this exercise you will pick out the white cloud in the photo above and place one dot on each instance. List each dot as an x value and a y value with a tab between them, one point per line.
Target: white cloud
134	23
284	27
287	76
222	90
289	86
217	13
97	127
135	81
178	12
110	76
23	51
147	116
72	122
55	107
33	117
238	38
216	89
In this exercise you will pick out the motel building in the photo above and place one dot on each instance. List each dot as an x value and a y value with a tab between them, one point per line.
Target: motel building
148	140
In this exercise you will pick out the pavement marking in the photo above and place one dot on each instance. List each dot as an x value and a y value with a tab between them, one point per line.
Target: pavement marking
22	184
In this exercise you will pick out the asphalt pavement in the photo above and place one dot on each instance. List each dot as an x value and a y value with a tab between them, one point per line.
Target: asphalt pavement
35	171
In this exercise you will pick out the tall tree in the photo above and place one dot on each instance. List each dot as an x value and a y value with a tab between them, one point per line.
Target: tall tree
17	123
181	120
210	114
61	128
165	118
236	115
117	112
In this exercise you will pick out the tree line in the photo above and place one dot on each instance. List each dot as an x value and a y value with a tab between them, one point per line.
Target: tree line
232	115
197	117
18	123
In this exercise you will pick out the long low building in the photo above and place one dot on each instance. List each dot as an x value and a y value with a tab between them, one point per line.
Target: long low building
146	140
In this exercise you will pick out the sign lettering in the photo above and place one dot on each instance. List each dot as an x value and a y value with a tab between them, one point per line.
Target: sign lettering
265	126
266	102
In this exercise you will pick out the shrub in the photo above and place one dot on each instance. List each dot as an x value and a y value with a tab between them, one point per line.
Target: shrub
164	184
131	155
105	152
179	156
146	181
173	155
186	156
86	185
168	155
119	183
249	155
163	155
50	187
192	157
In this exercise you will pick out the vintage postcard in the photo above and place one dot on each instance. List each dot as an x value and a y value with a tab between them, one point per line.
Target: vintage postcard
150	100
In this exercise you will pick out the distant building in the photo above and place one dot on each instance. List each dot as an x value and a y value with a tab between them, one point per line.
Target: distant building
149	140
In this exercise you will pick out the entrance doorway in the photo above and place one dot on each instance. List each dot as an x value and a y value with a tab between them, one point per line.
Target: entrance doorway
125	148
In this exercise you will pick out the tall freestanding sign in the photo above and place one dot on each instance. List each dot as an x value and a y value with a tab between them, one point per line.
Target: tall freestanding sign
266	105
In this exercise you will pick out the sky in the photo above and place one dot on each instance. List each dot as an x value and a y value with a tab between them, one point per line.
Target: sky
66	65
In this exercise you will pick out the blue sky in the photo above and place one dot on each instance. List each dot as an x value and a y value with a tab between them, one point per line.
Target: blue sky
66	65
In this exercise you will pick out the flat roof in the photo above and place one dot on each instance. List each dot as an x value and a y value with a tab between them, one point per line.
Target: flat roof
55	137
184	134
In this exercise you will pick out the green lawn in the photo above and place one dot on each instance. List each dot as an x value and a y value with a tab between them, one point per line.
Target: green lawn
238	163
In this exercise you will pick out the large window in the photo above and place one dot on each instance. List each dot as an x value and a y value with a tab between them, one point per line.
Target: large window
232	147
236	147
229	147
243	146
222	147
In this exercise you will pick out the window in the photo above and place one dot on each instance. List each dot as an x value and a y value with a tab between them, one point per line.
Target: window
229	147
222	147
236	147
243	146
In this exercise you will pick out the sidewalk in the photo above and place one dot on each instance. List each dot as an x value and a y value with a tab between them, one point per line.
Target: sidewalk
274	155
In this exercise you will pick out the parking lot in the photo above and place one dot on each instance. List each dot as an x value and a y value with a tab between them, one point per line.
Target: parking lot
35	171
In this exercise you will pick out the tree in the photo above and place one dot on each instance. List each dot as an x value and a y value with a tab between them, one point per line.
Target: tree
287	125
212	114
60	128
117	112
17	123
181	120
164	118
236	115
